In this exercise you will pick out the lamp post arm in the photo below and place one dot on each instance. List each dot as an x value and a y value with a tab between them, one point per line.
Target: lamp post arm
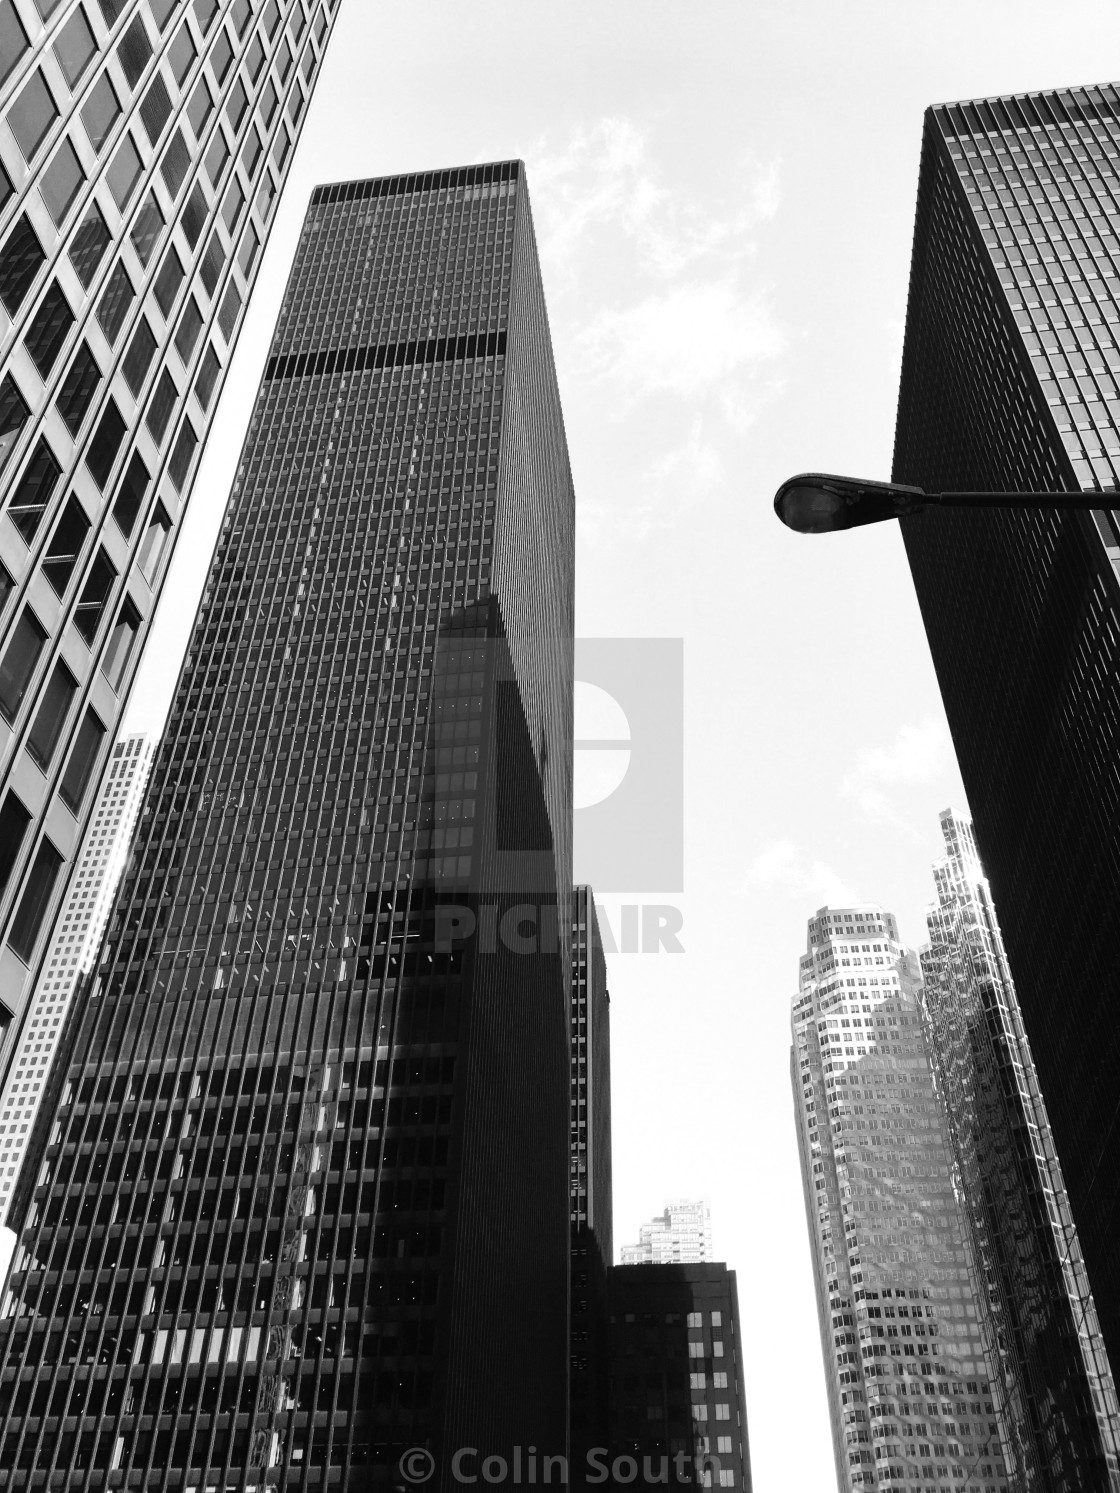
1084	499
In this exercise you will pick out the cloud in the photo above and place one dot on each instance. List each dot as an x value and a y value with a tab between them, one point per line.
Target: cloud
917	755
782	865
683	477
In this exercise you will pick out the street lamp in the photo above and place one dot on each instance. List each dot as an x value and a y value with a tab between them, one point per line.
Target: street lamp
820	502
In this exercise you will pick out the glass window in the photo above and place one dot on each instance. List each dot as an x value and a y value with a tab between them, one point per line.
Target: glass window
154	543
200	107
155	109
221	56
134	51
13	40
65	546
47	332
265	197
94	596
212	262
216	157
20	259
295	105
34	491
14	819
54	706
83	759
75	47
181	54
130	498
146	230
7	585
204	13
238	103
61	182
232	206
268	103
78	388
116	298
207	378
161	407
32	909
18	663
106	442
14	415
89	245
121	644
124	173
183	454
100	110
250	247
281	147
271	18
284	61
111	10
168	280
241	13
190	324
252	152
32	115
254	59
194	216
6	188
231	307
175	164
138	359
162	11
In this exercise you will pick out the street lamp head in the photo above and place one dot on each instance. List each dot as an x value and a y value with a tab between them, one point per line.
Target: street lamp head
821	503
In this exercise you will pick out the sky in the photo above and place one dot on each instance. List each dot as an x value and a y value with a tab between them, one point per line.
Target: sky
724	201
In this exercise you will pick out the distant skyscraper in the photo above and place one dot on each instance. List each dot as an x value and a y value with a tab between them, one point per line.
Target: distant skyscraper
591	1205
682	1235
1060	1389
906	1338
73	948
1011	381
142	150
677	1407
330	1127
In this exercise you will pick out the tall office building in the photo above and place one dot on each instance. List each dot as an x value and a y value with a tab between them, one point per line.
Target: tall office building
907	1340
678	1413
1010	382
590	1185
1059	1388
300	1200
682	1235
143	144
73	948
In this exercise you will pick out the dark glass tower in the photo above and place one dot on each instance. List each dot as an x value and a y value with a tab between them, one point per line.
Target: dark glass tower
143	145
299	1200
591	1199
1010	381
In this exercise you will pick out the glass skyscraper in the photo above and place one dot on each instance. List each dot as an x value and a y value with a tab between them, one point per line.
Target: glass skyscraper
1058	1385
1011	381
908	1344
299	1199
143	144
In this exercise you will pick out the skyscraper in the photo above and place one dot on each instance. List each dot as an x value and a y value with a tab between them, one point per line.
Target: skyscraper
1009	382
591	1200
73	948
682	1235
142	149
909	1352
321	1210
1059	1387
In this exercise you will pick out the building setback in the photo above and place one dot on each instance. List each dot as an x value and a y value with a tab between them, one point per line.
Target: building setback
591	1201
682	1235
74	947
906	1338
678	1414
1059	1387
291	1240
1010	382
143	146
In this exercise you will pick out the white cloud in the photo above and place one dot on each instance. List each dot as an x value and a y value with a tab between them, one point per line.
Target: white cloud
684	476
782	864
917	755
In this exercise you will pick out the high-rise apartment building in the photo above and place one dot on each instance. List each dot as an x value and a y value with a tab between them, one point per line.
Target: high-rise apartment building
909	1351
1011	382
1059	1388
300	1198
682	1235
143	144
678	1413
73	948
590	1185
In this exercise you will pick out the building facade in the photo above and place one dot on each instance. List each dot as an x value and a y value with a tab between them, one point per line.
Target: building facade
1058	1384
682	1235
73	948
143	145
678	1413
1011	382
267	1232
590	1187
906	1338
